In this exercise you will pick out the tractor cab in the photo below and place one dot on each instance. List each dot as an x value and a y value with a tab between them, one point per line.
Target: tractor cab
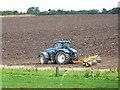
62	45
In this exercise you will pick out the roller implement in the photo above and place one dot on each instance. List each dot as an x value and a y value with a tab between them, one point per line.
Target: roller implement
91	60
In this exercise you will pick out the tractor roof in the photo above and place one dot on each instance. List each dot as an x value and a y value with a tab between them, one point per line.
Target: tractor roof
62	41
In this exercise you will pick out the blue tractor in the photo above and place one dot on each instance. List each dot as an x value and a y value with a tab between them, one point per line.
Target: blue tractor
61	53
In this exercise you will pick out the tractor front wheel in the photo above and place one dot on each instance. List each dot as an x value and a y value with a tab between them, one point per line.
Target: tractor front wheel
62	58
42	59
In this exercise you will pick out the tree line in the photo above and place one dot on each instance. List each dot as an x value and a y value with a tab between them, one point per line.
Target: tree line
36	11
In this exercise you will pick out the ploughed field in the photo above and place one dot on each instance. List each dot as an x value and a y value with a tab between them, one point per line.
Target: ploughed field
22	37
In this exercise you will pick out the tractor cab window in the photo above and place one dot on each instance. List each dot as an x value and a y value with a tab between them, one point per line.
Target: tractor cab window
58	45
66	45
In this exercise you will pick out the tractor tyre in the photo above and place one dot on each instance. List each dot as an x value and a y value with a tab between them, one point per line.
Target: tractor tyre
62	58
42	59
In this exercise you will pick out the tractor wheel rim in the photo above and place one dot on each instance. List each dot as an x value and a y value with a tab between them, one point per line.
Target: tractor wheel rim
41	59
61	58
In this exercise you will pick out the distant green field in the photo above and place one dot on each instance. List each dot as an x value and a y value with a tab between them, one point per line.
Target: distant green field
26	78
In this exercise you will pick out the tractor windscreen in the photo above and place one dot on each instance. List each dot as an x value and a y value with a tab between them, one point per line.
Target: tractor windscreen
66	45
58	45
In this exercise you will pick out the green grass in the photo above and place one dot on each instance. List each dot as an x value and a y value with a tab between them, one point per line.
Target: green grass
25	78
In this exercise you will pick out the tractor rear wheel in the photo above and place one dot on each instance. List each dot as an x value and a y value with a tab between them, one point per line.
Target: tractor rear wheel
62	58
42	59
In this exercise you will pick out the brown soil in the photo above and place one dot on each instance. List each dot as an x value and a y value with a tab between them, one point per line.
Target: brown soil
89	34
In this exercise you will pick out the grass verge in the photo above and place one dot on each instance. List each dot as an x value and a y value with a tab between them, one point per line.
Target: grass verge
27	78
